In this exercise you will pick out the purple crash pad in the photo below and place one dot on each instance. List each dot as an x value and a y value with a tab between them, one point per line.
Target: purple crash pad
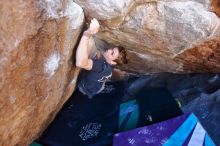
182	130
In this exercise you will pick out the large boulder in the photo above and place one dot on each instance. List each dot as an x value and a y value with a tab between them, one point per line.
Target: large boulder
36	71
161	36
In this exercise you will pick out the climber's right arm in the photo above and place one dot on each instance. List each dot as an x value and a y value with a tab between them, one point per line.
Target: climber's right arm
82	52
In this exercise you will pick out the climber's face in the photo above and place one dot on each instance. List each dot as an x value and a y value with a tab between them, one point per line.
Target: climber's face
111	55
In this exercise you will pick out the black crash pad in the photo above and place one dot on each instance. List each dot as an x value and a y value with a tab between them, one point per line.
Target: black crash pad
86	122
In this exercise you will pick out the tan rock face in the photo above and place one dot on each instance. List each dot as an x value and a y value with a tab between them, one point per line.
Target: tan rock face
216	6
36	71
157	34
209	57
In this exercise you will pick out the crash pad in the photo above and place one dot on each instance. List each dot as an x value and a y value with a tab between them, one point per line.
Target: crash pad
179	131
86	122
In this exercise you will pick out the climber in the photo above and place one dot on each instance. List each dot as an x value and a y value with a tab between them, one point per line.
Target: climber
96	70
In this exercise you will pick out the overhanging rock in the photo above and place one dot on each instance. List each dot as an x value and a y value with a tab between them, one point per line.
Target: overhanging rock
161	36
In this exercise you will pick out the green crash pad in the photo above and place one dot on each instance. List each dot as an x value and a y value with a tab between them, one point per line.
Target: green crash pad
35	144
129	114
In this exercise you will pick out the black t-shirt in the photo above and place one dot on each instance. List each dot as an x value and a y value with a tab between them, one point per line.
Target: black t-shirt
93	81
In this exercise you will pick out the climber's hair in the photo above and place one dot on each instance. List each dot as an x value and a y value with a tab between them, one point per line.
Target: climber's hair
122	59
103	46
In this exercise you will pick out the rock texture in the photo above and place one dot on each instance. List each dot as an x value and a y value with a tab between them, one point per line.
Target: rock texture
161	36
36	72
216	6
